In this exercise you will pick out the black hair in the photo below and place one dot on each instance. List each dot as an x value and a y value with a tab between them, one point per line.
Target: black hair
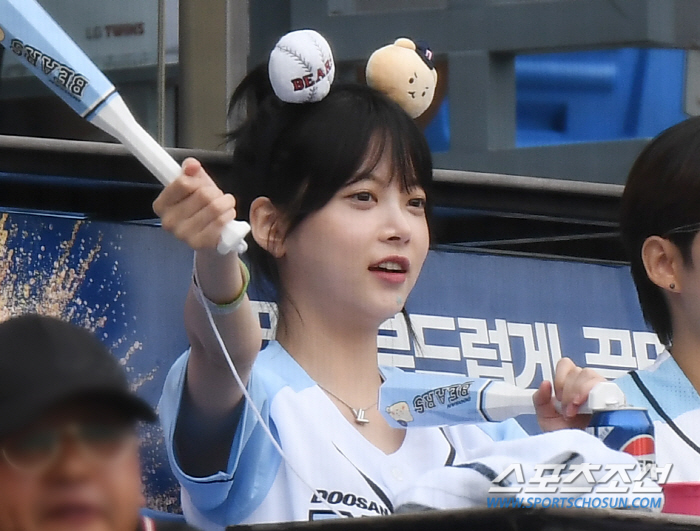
300	155
662	193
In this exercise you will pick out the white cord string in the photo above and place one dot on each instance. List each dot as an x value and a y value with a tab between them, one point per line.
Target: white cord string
252	405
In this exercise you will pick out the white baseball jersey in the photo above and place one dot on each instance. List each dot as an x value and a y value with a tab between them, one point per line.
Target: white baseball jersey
348	473
674	407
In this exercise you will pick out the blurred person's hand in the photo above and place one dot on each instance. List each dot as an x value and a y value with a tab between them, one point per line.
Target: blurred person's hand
572	384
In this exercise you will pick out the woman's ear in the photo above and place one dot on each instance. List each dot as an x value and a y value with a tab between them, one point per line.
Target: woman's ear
663	262
267	227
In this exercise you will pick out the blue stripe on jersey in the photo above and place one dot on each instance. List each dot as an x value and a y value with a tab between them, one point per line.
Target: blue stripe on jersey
251	445
668	384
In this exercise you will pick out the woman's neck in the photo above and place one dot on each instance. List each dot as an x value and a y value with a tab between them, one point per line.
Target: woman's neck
340	356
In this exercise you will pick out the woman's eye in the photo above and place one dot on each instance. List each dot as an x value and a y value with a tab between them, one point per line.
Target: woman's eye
417	202
362	196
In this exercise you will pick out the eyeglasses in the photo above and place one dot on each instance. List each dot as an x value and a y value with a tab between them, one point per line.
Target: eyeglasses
35	450
692	227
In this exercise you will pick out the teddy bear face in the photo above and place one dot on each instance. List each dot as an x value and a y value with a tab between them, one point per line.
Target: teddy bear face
401	73
418	90
400	412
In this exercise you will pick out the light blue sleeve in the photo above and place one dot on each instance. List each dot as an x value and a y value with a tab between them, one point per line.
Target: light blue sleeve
230	495
506	430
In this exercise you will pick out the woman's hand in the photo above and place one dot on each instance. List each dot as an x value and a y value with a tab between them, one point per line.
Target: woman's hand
193	208
572	384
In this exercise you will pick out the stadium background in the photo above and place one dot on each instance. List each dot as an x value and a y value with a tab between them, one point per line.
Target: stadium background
532	132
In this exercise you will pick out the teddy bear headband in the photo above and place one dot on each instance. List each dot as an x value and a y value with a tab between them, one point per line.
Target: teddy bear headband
301	70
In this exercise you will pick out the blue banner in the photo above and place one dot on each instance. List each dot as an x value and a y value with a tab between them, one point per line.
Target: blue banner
126	283
484	315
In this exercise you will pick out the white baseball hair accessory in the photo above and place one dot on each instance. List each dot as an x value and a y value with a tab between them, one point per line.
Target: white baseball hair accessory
301	67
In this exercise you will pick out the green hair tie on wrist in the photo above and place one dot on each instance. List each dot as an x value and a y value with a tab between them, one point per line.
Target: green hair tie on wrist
227	307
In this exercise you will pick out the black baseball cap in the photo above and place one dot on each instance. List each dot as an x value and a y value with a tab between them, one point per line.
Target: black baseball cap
45	361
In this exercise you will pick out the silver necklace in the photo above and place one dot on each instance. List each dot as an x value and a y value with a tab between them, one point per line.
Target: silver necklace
359	413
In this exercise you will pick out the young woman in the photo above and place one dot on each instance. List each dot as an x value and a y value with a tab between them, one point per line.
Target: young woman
660	220
338	197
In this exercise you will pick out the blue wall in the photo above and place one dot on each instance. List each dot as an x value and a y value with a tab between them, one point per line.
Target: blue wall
589	96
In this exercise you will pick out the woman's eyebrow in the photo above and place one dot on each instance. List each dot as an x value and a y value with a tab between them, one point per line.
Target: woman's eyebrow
363	177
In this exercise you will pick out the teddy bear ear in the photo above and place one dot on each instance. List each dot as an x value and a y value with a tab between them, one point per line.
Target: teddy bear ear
405	43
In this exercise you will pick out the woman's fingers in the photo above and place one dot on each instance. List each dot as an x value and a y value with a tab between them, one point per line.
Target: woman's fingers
572	385
202	229
193	208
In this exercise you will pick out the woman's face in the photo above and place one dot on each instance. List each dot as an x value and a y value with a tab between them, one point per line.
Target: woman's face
360	255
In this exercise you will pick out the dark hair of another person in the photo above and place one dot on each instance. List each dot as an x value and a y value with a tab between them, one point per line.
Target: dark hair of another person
662	193
300	155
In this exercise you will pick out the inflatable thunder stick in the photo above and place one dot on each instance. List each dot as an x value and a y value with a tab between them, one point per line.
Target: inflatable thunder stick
446	399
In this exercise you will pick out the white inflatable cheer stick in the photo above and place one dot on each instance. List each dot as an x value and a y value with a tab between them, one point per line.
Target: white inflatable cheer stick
445	399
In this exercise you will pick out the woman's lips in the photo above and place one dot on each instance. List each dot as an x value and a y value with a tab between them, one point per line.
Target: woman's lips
392	269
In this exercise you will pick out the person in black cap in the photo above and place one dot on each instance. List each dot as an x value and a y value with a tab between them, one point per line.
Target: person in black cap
68	445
